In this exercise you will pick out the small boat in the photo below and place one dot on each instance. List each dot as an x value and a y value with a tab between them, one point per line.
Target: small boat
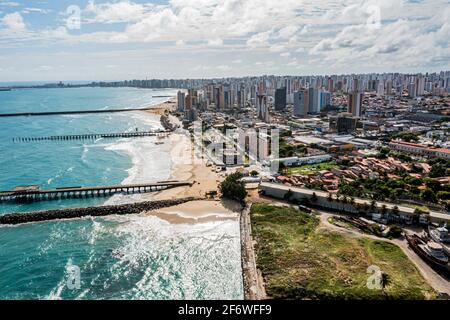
442	236
431	251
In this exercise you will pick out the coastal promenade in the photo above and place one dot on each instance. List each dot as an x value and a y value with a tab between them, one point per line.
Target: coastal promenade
34	193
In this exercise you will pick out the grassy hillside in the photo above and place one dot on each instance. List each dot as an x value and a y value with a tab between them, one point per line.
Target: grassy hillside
298	260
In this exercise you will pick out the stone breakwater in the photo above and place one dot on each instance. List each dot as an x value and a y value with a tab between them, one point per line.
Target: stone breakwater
122	209
167	125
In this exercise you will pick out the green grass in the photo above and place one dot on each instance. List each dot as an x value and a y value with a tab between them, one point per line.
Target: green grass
299	261
313	168
415	206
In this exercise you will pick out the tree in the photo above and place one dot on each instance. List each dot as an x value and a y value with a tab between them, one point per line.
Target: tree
330	197
437	170
282	168
395	231
384	281
288	195
428	195
233	188
365	207
407	136
395	211
443	195
254	173
373	204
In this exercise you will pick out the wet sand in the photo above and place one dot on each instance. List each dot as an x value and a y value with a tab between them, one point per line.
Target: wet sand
199	212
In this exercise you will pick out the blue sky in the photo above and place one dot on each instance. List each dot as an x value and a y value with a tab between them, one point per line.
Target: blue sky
124	39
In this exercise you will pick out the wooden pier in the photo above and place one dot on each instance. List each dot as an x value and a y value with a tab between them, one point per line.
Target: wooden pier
34	193
92	136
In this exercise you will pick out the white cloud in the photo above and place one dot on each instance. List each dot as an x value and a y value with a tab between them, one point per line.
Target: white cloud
122	11
224	68
36	10
328	35
215	42
14	22
9	3
43	68
259	39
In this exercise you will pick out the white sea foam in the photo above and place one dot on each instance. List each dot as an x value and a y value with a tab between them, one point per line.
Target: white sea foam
195	261
150	162
55	293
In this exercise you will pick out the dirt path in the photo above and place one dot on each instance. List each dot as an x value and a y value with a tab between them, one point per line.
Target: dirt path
437	281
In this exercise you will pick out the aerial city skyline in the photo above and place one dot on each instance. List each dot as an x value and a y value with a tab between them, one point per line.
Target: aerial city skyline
275	150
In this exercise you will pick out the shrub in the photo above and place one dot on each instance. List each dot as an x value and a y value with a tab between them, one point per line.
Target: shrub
233	188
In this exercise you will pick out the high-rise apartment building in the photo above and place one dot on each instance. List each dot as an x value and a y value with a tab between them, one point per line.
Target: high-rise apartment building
301	103
355	100
280	99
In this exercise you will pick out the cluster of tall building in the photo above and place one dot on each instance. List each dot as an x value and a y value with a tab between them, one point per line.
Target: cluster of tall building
310	101
307	94
236	89
189	104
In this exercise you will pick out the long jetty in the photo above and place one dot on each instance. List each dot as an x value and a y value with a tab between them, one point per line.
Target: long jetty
88	136
53	113
123	209
33	193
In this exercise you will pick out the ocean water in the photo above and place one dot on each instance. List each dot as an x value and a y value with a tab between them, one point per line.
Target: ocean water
118	257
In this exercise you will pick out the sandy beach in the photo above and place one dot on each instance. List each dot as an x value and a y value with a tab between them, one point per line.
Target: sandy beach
188	165
169	105
201	211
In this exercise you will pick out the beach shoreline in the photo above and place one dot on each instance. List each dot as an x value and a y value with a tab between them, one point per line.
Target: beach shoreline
188	165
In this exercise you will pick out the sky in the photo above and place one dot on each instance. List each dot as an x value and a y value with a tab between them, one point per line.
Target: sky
131	39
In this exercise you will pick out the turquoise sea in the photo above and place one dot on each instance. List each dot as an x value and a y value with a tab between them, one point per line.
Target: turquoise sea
133	257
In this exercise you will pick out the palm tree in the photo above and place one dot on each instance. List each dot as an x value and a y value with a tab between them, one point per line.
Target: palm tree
373	204
384	281
366	207
395	210
330	197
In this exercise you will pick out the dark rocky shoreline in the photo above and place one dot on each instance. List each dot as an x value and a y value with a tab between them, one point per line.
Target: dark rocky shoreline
123	209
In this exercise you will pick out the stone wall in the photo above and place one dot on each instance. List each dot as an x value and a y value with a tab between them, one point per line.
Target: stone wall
123	209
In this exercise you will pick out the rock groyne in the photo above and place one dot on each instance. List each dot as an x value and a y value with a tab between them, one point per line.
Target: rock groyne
122	209
167	125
